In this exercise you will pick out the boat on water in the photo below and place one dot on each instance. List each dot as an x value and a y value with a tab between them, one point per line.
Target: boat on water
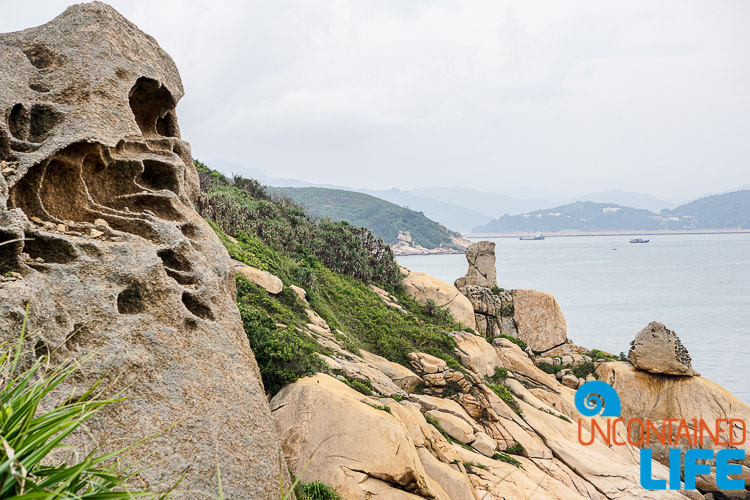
538	236
638	240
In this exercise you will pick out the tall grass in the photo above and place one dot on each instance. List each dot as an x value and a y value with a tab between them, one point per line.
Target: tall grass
31	463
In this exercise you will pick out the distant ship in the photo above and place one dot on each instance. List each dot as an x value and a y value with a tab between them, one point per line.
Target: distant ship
638	240
532	238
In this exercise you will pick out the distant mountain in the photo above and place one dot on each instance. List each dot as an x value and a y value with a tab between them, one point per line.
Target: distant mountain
579	216
626	199
451	215
386	220
720	211
484	202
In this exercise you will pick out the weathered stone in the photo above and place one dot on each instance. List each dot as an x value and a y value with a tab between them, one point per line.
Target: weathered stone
424	288
301	293
456	427
657	349
540	321
476	354
482	272
484	444
270	283
400	375
426	363
88	127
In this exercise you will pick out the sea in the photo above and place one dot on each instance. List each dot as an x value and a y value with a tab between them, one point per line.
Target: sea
609	289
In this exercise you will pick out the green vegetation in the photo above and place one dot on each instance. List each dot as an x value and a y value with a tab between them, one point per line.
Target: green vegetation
516	449
470	465
583	370
241	205
363	386
316	490
507	459
279	237
383	218
504	394
501	373
384	408
597	354
32	431
496	289
520	343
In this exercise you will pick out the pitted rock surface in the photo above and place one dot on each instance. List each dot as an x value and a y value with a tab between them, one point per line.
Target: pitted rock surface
97	188
657	349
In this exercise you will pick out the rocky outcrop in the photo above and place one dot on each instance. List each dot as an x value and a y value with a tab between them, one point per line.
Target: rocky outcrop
96	190
657	349
482	272
539	320
270	283
405	245
424	288
659	397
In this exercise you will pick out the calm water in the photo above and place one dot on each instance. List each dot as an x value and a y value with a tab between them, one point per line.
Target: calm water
608	289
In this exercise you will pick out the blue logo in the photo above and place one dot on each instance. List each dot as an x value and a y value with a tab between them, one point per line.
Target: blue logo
597	398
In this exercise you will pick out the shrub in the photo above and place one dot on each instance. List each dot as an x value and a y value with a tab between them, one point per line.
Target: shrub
501	373
496	289
597	354
470	465
384	408
362	386
316	490
520	343
32	436
516	449
507	459
583	370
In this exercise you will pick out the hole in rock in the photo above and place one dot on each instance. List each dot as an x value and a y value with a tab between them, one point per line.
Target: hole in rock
40	87
167	125
9	252
197	306
181	277
5	152
158	175
150	101
18	122
161	206
190	230
62	192
44	117
50	250
40	56
174	260
131	300
41	349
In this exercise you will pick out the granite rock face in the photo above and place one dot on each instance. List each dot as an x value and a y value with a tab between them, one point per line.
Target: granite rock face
97	189
481	257
424	288
657	349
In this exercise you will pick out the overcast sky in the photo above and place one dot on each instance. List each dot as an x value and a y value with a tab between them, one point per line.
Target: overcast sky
529	98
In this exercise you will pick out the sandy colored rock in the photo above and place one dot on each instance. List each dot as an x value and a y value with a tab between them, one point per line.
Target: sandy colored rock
476	354
301	293
400	375
270	283
540	321
484	444
482	272
348	443
89	129
456	427
657	349
424	287
426	363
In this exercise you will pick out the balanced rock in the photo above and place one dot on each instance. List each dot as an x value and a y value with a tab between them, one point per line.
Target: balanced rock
482	272
89	140
657	349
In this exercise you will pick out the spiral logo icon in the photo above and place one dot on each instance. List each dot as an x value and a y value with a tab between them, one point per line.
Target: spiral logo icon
597	398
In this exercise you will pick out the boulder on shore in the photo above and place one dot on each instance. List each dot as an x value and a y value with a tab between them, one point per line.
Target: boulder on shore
657	349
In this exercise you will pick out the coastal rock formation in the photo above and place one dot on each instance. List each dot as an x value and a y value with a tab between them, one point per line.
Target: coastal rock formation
424	288
657	349
96	191
659	397
405	245
481	257
539	320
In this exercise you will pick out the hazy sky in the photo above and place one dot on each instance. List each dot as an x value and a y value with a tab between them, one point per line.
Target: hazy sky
529	98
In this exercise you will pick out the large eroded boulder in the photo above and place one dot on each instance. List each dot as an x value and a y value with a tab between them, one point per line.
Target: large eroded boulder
424	287
99	187
482	272
657	349
539	320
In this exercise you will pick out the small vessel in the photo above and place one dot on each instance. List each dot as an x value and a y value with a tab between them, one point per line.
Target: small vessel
638	240
538	236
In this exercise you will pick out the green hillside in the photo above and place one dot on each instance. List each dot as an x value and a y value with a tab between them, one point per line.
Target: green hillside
721	211
383	218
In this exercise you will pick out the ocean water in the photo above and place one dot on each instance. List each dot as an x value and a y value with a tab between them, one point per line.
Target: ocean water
609	289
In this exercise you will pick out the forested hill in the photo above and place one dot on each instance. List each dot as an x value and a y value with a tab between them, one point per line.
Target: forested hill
383	218
717	212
